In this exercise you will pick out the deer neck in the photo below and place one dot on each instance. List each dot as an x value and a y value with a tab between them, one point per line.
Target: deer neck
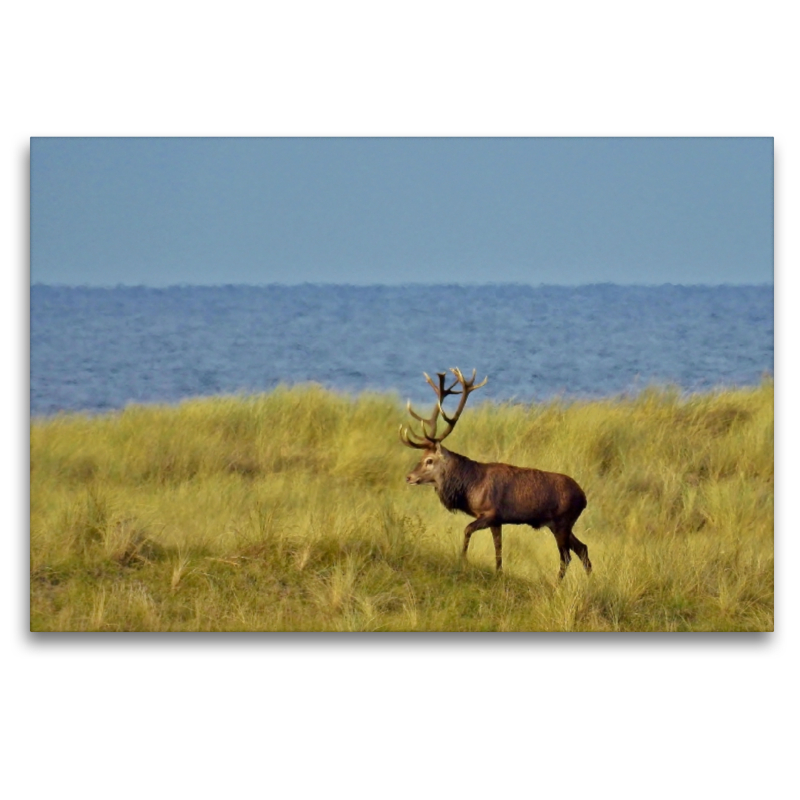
456	479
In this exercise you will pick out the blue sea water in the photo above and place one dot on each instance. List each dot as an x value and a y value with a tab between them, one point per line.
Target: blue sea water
98	349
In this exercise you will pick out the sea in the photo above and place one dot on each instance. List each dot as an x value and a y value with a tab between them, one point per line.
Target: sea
100	349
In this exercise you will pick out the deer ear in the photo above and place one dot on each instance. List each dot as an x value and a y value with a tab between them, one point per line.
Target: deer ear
438	448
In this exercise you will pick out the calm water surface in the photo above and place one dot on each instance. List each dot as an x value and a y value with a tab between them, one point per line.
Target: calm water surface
98	349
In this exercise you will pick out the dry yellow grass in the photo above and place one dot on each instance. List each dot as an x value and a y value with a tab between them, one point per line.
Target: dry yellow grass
288	511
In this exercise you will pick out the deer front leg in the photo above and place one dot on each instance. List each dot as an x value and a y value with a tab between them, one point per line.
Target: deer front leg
497	535
477	525
581	550
467	537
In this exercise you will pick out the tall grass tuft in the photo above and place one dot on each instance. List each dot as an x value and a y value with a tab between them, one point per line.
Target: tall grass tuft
289	511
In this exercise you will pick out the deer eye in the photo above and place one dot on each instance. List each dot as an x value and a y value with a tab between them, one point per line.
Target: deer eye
428	462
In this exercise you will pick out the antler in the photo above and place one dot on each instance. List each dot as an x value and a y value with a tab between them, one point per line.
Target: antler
429	437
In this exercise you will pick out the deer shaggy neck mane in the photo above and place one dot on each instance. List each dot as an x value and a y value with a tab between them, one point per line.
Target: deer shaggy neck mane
458	475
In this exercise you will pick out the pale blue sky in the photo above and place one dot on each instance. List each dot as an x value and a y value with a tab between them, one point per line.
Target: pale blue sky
557	211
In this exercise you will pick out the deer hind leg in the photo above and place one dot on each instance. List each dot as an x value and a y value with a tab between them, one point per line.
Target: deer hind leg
580	550
562	534
497	535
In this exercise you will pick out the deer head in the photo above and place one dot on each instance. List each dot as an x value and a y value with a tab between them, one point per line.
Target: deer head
430	465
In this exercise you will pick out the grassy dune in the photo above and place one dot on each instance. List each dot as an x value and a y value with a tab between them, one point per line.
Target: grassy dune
288	511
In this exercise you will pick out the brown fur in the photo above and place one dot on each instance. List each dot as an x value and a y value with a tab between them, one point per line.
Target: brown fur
502	494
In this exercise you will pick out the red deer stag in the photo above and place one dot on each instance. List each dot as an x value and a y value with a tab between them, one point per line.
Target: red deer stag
495	494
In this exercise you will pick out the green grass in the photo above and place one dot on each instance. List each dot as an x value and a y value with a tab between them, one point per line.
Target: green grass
289	512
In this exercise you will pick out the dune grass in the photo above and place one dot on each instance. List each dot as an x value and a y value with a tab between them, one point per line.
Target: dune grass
289	512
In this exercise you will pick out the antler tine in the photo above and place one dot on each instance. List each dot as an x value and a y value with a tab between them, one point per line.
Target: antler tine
414	413
429	422
468	384
405	435
472	381
432	384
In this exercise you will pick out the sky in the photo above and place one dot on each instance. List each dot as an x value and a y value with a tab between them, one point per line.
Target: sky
165	211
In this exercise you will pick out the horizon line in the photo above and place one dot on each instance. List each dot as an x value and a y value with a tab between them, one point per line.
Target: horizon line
411	284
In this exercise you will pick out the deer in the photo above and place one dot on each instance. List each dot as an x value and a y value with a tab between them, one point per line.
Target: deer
494	494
